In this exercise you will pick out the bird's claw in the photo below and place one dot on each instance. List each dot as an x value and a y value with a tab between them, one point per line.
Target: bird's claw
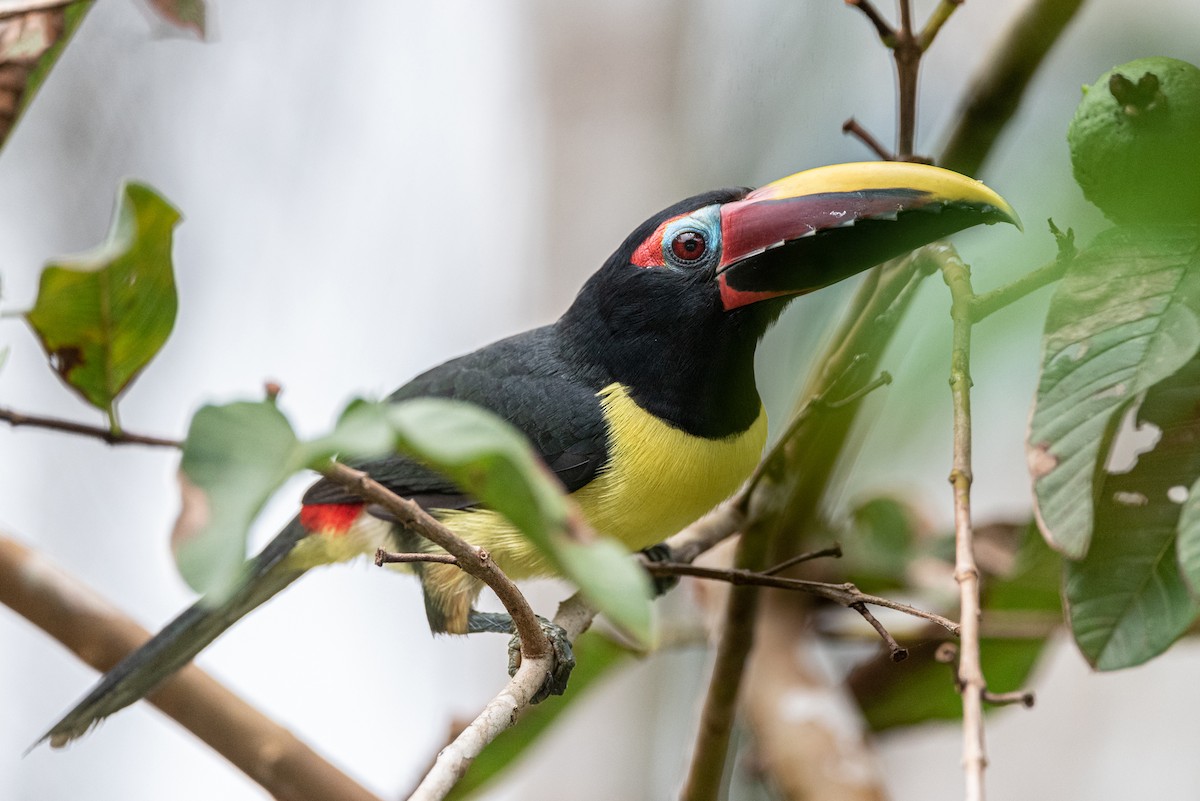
660	553
562	660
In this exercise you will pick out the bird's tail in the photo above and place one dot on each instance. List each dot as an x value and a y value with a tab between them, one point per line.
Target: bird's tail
143	670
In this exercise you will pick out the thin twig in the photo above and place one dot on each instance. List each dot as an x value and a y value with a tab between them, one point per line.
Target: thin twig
16	419
935	22
101	635
966	572
852	127
886	34
832	552
472	559
997	88
898	652
988	303
383	557
1022	697
844	594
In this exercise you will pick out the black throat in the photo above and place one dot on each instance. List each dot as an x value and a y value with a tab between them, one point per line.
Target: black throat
681	356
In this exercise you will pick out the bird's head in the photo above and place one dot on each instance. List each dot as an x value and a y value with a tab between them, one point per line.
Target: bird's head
689	293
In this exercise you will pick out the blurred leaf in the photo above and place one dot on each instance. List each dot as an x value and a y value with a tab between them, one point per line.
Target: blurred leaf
921	688
102	315
877	552
596	656
1126	316
237	455
495	463
1127	599
30	44
188	14
234	459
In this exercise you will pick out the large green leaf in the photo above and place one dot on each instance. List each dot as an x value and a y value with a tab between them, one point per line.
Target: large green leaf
1127	598
236	456
102	315
234	459
1126	316
30	44
495	463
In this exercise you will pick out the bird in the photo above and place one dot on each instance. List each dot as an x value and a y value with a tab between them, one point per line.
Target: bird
640	398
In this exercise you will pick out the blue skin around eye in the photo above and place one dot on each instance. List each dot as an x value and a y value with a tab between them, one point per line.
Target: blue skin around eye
706	221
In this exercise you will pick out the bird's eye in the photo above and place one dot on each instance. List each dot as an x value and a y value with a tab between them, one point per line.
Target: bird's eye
688	245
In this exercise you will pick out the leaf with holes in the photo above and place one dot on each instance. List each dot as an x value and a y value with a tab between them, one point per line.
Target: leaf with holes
102	315
1127	599
30	44
1126	316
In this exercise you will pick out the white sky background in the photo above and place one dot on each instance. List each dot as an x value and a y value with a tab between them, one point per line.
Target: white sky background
370	188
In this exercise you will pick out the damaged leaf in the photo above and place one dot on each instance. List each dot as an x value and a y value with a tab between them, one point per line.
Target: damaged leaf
102	315
1127	599
1126	316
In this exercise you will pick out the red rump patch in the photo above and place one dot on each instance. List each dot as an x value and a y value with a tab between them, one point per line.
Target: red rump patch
329	518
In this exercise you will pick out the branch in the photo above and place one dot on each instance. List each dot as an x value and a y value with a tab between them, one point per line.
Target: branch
997	89
966	572
475	561
503	710
102	636
989	302
845	594
17	419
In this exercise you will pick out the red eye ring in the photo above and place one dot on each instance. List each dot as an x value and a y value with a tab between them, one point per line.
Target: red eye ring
689	245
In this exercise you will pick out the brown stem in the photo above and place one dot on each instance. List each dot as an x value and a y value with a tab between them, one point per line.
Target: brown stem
886	34
707	766
109	435
472	559
997	88
833	552
102	636
845	594
383	557
852	127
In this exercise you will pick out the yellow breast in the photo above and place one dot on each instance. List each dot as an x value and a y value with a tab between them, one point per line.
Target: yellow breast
658	479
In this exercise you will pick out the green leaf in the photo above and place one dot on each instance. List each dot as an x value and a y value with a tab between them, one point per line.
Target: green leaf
30	44
101	316
495	463
1127	599
1126	316
235	457
596	656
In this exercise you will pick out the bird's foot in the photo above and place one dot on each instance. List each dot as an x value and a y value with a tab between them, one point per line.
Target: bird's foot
562	660
561	655
661	553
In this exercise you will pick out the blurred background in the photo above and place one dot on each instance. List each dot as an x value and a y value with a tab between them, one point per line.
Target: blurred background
371	188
